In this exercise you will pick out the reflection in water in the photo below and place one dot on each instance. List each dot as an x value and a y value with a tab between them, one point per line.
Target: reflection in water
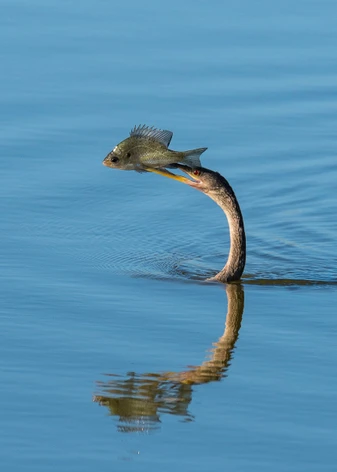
139	399
254	280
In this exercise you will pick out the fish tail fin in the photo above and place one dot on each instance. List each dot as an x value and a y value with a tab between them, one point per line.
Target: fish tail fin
192	158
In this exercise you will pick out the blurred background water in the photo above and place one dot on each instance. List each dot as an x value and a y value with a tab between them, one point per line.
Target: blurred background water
113	353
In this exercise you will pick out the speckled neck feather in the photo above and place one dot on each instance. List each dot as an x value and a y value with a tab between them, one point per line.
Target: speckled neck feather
225	197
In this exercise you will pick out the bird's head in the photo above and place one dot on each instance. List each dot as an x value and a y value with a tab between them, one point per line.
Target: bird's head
202	179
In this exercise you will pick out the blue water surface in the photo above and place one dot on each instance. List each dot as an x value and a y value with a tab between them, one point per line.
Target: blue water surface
115	355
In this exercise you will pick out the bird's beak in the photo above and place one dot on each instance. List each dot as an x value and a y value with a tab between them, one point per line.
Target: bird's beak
178	178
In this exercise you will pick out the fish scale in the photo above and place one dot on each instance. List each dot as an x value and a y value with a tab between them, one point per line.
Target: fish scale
147	147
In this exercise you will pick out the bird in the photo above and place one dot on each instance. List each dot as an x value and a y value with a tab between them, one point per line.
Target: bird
216	187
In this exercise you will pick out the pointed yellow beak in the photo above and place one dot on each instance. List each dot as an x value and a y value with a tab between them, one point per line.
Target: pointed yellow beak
166	173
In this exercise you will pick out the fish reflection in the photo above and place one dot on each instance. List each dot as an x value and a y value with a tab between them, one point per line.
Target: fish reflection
140	399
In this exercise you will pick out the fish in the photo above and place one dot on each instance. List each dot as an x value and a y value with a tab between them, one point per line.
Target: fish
147	148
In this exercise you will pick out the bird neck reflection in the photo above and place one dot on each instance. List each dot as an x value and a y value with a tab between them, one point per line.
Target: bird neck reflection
139	400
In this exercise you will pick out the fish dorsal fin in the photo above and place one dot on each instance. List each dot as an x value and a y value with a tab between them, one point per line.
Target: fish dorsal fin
162	135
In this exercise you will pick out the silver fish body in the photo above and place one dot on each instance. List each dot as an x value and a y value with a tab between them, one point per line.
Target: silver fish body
148	148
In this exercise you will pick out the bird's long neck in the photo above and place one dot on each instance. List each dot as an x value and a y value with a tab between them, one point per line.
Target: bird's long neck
224	196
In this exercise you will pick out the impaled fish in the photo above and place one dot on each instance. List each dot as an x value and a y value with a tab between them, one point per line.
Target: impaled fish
147	148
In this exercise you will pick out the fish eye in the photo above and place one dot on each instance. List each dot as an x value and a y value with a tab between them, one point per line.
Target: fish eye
196	172
128	154
114	159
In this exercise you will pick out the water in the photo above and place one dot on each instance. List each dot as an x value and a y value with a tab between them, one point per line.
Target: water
114	354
